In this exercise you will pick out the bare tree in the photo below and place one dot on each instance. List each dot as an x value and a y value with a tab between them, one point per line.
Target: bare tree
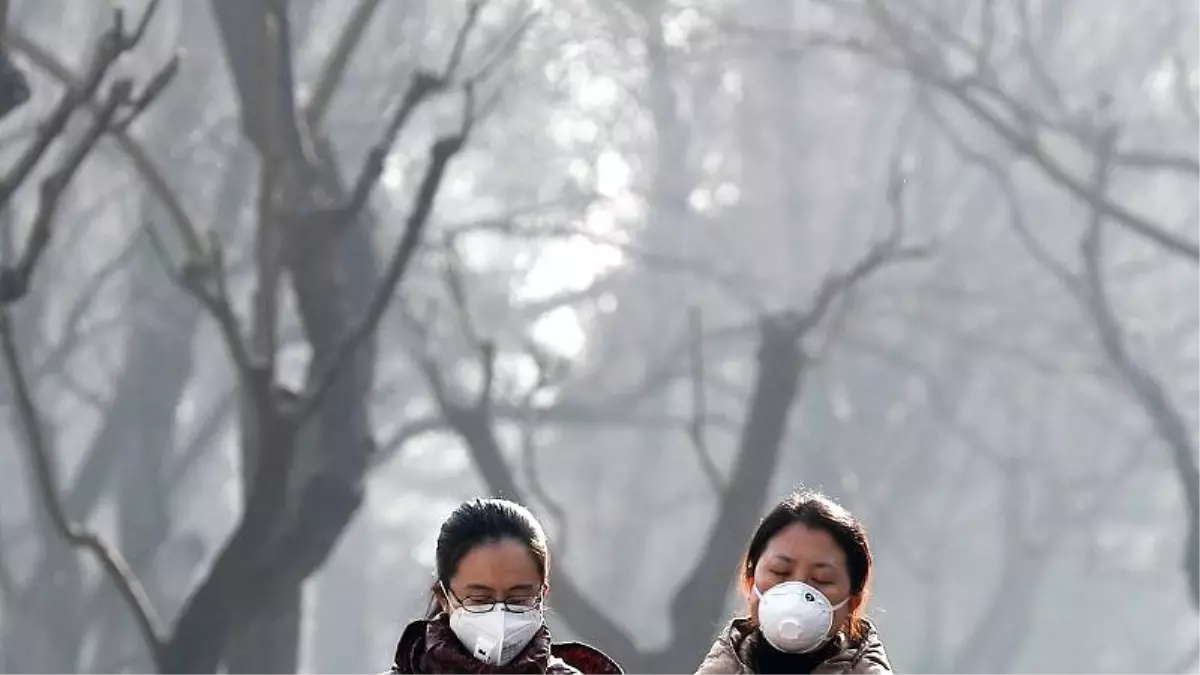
118	108
932	50
741	495
929	48
127	451
1089	287
1040	509
300	493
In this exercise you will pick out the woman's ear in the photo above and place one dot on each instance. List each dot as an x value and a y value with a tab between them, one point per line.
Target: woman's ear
844	617
748	593
747	583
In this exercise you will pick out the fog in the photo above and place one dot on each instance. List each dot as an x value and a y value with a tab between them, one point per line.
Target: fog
282	282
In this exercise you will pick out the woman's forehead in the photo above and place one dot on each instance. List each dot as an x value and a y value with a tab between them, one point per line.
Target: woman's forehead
499	566
798	543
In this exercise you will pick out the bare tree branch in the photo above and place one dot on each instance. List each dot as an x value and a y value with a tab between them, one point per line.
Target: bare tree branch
406	432
334	69
1174	430
52	363
442	152
289	527
113	44
14	86
1037	65
204	278
119	108
424	85
458	48
15	278
884	252
1018	135
781	366
1090	289
267	106
272	188
547	376
77	536
1003	179
504	49
9	593
146	167
698	424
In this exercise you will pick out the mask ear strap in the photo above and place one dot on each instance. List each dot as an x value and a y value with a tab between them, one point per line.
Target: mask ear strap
841	604
446	594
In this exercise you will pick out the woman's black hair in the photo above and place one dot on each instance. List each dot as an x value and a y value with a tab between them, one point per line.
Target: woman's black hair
817	511
485	521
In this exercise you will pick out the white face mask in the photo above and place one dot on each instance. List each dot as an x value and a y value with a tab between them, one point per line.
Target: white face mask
497	635
795	617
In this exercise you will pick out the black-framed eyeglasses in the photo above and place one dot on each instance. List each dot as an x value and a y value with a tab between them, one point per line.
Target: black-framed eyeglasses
480	604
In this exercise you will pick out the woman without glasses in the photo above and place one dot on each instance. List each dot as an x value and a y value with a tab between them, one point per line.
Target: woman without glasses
805	577
486	617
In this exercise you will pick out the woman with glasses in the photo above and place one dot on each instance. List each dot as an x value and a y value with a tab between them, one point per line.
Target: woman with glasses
486	611
806	578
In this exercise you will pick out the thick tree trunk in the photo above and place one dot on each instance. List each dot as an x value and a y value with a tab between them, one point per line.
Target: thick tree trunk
342	632
268	641
781	366
333	270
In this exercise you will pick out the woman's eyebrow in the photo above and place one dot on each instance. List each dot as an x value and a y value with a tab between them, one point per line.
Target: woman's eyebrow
521	587
480	587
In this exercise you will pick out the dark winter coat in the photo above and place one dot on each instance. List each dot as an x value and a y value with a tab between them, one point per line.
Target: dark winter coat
430	646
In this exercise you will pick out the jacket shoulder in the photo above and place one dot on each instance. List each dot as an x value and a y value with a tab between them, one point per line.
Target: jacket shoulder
585	659
866	656
720	660
723	657
411	640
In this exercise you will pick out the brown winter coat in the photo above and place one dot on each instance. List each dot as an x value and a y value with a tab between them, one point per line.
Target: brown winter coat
430	646
733	652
